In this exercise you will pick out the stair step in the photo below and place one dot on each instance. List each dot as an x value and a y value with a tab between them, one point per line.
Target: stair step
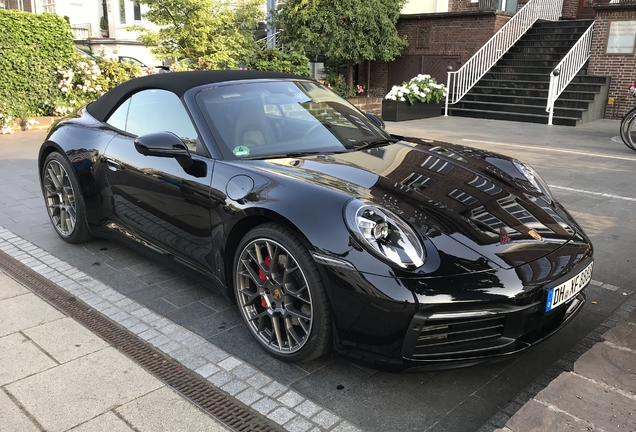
520	108
541	77
530	36
503	115
526	100
526	70
562	24
504	76
530	92
562	50
528	63
545	43
525	56
537	85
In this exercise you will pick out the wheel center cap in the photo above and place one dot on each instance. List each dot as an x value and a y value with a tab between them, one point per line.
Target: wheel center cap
276	294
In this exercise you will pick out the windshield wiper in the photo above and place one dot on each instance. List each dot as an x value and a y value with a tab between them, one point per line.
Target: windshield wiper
288	155
375	143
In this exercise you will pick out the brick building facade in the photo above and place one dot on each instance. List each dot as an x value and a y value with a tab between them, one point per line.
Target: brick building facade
621	67
438	41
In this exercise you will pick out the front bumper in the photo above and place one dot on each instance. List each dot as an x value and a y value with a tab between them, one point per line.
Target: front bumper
401	323
443	340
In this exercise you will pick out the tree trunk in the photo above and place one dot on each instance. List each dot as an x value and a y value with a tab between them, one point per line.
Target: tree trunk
368	92
350	74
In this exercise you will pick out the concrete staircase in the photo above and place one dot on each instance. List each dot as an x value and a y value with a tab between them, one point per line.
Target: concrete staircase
516	88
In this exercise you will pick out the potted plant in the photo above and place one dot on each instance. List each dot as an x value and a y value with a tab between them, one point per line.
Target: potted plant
421	97
103	25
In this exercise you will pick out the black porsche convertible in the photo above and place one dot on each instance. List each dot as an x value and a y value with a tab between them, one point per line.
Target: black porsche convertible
326	230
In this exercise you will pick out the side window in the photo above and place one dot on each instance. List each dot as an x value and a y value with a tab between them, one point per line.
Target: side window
159	111
118	118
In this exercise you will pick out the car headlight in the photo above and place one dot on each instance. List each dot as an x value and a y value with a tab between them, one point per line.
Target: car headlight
384	234
534	178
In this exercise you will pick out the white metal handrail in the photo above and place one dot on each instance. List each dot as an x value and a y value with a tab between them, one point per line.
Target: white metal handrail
567	69
462	80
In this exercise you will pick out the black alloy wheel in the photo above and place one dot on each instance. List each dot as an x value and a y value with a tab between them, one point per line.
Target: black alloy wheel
281	295
64	203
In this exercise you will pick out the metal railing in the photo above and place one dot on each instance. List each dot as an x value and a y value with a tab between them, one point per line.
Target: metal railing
271	41
462	80
567	69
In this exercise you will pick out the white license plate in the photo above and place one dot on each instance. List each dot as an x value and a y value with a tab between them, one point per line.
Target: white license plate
568	289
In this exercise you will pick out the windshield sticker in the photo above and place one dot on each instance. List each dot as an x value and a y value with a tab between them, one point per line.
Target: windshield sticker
241	151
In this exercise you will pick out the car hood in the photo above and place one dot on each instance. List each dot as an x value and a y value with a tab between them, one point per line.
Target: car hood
476	197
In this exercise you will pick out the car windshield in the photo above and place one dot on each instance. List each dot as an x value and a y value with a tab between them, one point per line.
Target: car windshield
285	118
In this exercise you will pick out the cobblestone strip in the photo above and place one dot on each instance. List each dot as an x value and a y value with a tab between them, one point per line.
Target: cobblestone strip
565	364
277	402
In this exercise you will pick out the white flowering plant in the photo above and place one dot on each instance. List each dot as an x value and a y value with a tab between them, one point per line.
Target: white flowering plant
422	88
7	121
82	81
632	90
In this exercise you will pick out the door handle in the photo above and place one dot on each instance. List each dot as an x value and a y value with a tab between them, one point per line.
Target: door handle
114	166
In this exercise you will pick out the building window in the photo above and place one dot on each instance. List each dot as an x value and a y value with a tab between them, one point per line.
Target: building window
48	6
621	37
137	11
122	11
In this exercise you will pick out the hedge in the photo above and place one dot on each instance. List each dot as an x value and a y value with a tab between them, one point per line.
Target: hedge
32	46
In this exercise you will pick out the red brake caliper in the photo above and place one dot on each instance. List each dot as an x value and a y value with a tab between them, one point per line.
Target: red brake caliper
261	274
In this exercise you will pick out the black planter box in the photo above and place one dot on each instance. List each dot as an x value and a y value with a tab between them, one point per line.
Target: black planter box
400	111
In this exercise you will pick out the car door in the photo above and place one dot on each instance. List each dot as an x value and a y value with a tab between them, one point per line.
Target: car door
155	197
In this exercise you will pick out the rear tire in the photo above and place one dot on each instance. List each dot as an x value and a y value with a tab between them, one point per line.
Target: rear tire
63	199
281	295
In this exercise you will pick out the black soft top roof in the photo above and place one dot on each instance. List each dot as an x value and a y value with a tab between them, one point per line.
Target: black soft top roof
176	82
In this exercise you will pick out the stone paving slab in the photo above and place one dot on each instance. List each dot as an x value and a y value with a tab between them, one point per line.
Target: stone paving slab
587	399
164	411
77	391
107	422
12	418
538	417
10	288
14	349
609	365
25	311
65	339
623	335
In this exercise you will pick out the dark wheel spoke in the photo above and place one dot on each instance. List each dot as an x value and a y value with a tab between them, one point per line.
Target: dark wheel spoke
251	273
304	325
295	312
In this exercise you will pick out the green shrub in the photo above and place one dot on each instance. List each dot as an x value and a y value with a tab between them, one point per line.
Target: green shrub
32	46
270	59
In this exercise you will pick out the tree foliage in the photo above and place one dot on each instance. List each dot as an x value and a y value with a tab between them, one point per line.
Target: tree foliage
275	60
209	32
346	30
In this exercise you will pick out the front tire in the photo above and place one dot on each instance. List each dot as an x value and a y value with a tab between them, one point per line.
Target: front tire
281	295
63	199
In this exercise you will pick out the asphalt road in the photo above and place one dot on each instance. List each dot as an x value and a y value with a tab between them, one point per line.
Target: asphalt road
591	174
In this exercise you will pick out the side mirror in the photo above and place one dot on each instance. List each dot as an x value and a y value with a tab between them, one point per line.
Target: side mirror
161	144
167	144
377	120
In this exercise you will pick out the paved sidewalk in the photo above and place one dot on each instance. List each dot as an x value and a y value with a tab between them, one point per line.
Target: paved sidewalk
599	395
55	375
